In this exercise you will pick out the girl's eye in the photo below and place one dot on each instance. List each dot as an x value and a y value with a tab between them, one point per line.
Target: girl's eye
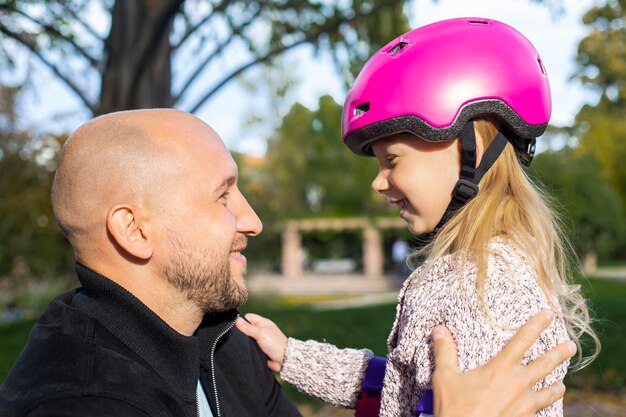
390	158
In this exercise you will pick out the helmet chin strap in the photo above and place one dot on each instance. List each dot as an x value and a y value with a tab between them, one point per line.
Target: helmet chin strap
466	187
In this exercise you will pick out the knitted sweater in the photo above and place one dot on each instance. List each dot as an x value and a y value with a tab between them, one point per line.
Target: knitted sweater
439	293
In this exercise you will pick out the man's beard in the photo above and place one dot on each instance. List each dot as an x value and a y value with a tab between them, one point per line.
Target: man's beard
204	277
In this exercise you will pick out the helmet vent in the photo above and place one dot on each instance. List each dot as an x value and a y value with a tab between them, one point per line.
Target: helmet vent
397	48
361	108
543	69
478	22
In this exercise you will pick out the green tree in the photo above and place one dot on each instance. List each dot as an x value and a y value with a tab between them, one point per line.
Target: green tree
32	246
602	66
131	66
309	172
592	211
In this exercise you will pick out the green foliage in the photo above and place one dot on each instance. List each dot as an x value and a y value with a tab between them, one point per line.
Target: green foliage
604	138
309	171
602	53
602	66
32	246
587	202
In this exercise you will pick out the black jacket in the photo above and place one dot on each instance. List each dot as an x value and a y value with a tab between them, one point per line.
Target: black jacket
98	351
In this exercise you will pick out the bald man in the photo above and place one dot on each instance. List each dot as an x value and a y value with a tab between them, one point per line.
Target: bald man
150	204
149	201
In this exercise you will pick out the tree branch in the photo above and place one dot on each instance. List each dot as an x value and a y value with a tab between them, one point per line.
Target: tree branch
310	37
81	22
92	61
32	47
219	8
200	68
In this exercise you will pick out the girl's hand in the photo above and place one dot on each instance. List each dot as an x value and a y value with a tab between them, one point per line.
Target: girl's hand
501	387
268	336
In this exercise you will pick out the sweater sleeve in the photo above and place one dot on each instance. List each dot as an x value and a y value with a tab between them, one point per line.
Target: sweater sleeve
512	297
325	371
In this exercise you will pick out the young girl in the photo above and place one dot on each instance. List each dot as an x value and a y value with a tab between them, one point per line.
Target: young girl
451	111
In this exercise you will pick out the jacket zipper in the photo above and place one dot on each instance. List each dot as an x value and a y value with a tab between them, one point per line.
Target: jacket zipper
197	404
217	400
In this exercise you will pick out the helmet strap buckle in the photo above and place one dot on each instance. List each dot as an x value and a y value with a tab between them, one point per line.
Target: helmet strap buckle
466	187
464	190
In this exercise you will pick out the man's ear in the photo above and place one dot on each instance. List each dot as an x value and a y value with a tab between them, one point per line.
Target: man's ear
129	230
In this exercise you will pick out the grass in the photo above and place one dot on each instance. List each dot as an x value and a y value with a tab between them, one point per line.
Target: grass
369	327
608	303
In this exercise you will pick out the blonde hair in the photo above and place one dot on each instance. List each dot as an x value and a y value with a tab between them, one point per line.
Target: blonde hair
510	205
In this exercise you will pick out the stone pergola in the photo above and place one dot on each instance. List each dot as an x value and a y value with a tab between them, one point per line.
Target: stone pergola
373	254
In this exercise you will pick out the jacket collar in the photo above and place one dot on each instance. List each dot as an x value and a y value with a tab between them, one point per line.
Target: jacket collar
175	357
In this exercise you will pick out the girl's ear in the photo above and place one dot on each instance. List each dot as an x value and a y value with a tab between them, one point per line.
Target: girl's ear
128	228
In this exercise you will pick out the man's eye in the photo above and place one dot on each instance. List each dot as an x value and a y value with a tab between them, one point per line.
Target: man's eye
224	196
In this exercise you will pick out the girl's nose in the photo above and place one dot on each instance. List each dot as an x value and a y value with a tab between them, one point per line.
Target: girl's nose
380	184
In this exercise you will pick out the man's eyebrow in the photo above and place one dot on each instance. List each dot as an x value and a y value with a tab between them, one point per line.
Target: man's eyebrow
227	182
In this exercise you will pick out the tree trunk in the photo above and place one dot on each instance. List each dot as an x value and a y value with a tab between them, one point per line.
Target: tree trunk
137	72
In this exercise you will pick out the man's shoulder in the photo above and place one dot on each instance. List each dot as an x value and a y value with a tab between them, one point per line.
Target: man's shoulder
71	359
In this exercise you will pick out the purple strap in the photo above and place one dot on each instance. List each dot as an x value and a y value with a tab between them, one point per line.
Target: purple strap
373	385
374	375
426	403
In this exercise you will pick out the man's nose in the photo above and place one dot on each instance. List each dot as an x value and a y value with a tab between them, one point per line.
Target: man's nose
248	222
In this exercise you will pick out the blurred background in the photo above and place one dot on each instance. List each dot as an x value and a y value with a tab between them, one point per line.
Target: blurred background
270	77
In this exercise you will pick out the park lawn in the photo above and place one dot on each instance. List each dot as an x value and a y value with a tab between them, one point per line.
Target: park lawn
369	327
608	305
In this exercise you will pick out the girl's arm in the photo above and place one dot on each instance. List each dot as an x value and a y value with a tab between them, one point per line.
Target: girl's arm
512	296
320	370
500	388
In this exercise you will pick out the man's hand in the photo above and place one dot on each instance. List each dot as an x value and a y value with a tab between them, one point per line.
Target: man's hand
501	387
268	336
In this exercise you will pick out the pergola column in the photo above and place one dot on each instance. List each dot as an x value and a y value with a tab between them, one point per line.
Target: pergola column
292	252
373	257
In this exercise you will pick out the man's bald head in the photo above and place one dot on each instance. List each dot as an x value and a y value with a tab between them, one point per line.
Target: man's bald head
119	158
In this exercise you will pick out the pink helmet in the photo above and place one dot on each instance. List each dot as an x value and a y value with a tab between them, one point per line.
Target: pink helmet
432	80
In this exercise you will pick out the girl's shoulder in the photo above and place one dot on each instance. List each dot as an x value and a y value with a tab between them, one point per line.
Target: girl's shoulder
512	287
508	273
429	283
508	270
433	271
507	262
504	249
